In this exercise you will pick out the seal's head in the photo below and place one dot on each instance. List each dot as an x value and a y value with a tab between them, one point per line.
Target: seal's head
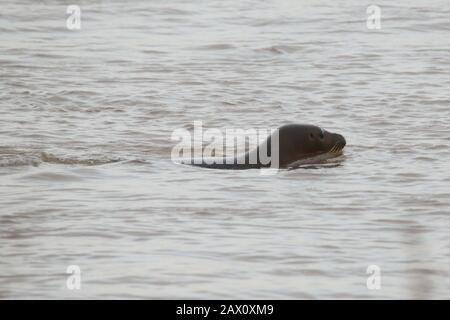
306	143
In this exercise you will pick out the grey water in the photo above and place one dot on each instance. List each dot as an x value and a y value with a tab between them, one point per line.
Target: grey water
87	180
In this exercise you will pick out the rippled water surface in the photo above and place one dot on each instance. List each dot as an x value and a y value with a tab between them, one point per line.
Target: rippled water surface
86	176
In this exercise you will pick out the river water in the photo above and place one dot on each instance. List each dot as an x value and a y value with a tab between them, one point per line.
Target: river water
86	177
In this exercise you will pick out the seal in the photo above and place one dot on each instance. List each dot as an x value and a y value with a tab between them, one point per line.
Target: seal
297	144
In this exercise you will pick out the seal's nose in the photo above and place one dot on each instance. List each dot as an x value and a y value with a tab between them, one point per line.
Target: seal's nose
340	139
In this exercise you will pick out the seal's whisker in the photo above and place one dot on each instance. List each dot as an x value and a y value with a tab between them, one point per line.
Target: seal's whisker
332	149
337	147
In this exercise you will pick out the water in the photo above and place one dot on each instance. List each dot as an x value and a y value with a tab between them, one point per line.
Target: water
86	178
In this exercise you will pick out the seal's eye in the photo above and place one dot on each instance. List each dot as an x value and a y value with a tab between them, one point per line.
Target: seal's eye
321	135
311	135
